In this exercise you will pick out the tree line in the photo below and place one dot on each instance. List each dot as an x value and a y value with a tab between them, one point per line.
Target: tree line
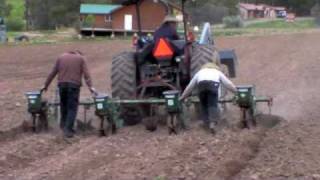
300	7
4	8
214	10
50	14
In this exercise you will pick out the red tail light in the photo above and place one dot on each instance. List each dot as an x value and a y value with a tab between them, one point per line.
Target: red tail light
135	40
191	37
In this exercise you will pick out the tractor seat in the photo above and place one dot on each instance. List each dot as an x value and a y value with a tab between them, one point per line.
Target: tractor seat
179	46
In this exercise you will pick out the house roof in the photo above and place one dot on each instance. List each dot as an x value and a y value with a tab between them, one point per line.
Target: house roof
251	6
279	8
165	2
260	7
98	8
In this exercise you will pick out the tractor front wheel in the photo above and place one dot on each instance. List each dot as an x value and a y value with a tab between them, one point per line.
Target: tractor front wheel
201	55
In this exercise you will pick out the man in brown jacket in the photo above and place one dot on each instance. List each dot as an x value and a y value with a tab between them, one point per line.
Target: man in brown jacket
70	68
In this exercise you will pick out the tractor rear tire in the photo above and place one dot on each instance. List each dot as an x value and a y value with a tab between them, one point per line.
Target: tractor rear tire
123	76
124	83
202	54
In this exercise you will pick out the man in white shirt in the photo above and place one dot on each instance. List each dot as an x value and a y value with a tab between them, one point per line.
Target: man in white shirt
208	81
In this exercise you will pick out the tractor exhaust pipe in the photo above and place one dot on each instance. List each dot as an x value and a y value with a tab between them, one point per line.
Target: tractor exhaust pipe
139	17
184	19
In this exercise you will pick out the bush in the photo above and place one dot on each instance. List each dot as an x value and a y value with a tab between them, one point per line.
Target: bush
232	22
15	24
89	21
315	12
317	20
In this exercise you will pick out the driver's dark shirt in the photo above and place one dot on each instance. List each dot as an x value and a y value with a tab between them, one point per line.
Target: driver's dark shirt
166	31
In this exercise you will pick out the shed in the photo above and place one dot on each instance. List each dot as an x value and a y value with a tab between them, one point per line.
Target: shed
250	11
102	14
117	18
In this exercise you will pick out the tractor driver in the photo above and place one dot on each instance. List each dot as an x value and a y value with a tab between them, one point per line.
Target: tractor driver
208	81
168	29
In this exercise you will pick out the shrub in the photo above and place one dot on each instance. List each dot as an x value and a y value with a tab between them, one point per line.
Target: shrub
317	20
89	21
15	24
232	22
315	12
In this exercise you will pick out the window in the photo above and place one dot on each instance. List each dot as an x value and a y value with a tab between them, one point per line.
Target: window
108	18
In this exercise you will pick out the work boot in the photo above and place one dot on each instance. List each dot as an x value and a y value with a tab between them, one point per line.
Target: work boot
73	131
204	125
68	133
212	127
186	127
62	125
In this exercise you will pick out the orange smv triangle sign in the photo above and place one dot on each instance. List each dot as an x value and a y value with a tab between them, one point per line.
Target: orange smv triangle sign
163	49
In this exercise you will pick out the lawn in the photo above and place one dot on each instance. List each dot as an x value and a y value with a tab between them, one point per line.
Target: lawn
303	23
266	27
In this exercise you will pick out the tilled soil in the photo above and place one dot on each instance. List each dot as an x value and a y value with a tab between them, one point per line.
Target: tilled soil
130	155
283	66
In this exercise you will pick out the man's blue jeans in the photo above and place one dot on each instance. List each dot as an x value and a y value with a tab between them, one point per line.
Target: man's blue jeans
208	95
69	101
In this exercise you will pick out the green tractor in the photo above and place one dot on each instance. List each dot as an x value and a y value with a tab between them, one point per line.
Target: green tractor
141	74
3	31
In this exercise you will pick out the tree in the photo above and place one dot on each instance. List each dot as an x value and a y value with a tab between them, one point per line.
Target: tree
38	17
315	12
4	8
49	14
211	11
64	14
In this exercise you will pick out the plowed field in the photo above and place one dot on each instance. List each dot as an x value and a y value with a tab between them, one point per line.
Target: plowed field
285	67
